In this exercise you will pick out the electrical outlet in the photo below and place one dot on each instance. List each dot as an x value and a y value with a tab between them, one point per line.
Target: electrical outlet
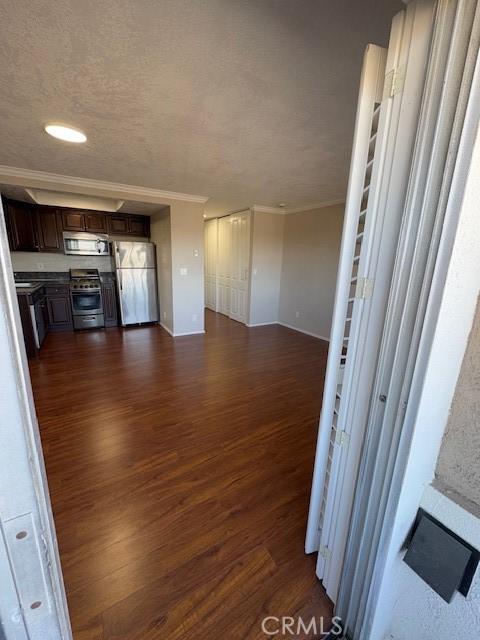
194	317
254	272
195	253
164	315
297	314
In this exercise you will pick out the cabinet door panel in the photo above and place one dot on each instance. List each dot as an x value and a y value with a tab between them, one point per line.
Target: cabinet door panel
137	226
21	227
49	231
95	223
73	221
59	313
109	300
118	224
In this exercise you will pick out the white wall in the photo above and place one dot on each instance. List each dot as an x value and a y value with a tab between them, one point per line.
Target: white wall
309	270
160	234
187	253
266	267
178	230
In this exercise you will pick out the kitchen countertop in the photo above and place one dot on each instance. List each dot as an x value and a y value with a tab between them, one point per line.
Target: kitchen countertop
27	291
49	278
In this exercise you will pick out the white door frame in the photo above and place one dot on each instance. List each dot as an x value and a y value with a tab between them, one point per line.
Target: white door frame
30	571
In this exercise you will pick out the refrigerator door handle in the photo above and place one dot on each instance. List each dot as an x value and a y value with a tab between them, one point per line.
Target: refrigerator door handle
120	279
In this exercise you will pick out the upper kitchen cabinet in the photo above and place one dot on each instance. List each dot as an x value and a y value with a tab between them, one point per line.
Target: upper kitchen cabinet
21	226
139	226
49	230
129	224
90	221
118	224
73	220
96	223
33	227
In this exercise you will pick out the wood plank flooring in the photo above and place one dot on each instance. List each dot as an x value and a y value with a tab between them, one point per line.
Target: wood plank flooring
179	472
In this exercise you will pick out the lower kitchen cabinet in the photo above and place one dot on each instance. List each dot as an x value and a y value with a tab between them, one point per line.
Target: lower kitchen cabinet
41	319
109	299
59	308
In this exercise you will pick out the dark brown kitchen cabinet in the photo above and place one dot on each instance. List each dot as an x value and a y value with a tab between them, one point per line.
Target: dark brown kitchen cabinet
96	223
21	227
109	299
129	224
89	221
139	226
41	319
59	308
73	220
118	224
49	230
33	227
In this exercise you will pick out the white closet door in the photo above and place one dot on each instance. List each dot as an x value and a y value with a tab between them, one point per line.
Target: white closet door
223	265
211	248
240	265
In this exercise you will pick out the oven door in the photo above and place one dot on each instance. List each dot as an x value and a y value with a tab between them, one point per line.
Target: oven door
86	303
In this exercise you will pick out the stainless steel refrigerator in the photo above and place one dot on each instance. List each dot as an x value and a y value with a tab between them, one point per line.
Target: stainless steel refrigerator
137	281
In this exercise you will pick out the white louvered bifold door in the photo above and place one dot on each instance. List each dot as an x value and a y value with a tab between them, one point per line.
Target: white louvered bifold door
362	295
365	139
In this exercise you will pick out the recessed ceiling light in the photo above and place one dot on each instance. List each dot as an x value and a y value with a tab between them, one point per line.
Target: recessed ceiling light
281	204
69	134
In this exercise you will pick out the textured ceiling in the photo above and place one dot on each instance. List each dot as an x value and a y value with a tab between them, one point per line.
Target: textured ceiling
245	101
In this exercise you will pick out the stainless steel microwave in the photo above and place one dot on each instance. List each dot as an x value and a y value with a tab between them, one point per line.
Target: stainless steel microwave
77	243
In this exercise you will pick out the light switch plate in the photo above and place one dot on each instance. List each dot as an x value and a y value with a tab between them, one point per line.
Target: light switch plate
183	271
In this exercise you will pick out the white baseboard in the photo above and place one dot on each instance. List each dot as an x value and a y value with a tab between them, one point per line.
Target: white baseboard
167	329
261	324
178	335
188	333
308	333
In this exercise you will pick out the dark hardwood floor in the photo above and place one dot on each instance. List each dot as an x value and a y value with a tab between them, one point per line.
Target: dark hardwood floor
179	472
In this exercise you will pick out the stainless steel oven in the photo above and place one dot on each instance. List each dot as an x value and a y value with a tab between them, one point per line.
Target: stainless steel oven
86	297
77	243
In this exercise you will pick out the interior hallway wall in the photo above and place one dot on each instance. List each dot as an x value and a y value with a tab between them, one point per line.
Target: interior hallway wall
266	267
311	251
160	234
186	219
178	233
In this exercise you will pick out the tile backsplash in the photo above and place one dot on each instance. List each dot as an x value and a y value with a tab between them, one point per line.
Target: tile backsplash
33	261
30	261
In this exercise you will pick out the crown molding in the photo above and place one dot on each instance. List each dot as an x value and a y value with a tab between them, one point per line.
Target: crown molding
259	208
70	184
317	205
